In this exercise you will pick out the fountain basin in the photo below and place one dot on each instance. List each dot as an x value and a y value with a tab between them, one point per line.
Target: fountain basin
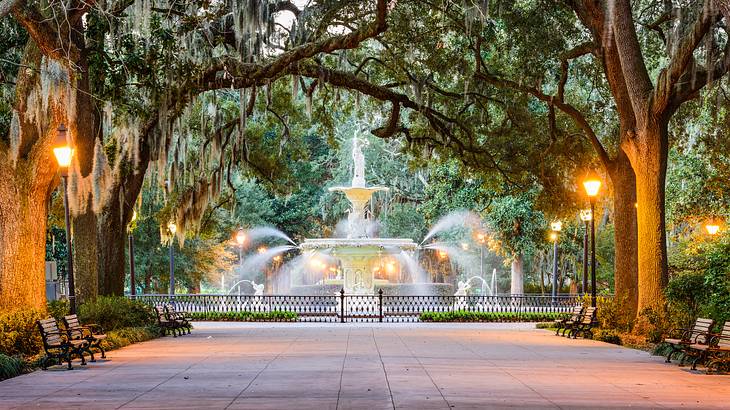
360	259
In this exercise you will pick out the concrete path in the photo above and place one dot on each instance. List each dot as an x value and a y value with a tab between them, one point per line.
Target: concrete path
410	366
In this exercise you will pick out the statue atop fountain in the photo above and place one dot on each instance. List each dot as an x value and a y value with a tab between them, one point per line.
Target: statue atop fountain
358	193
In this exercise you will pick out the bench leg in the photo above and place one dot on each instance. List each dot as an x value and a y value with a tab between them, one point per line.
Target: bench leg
669	355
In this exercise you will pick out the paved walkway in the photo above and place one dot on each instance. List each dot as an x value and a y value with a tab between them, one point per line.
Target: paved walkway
415	366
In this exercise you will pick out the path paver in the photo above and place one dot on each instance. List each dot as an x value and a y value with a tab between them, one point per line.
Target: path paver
369	366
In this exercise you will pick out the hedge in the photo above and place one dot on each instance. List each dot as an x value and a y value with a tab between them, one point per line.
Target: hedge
467	316
275	315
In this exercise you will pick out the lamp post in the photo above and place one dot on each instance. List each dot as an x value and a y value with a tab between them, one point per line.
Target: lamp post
172	228
556	227
132	286
63	152
585	216
592	185
481	238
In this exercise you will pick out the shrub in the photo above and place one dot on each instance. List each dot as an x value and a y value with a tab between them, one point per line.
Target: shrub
116	339
10	367
18	332
116	312
608	336
685	294
545	325
58	308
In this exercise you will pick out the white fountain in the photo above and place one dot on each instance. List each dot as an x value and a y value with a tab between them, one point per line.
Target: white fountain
361	258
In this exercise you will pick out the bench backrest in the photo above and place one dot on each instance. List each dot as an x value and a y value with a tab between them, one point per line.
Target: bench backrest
701	330
73	326
575	315
161	315
50	333
589	315
724	340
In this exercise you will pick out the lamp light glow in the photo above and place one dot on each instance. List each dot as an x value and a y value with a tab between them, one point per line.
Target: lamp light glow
592	184
712	228
172	227
556	226
62	149
586	215
262	249
553	236
442	254
240	237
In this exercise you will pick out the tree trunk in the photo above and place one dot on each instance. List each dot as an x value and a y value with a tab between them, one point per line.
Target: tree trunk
625	233
112	261
517	287
28	172
23	211
84	234
648	156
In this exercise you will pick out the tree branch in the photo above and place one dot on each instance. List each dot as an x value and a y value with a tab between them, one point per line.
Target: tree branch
683	55
632	61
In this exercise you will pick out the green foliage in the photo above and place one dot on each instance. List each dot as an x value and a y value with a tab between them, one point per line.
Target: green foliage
608	336
685	294
116	312
610	313
404	221
19	332
467	316
545	325
273	316
10	366
516	224
126	336
58	308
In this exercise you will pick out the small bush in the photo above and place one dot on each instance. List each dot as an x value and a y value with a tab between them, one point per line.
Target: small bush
116	312
58	308
19	333
10	366
608	336
545	325
116	339
273	316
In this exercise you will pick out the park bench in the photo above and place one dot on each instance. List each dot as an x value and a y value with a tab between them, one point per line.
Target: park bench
715	352
585	325
91	332
680	339
166	325
182	319
58	345
564	322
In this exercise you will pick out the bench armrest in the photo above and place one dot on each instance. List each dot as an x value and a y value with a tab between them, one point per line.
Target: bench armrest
679	333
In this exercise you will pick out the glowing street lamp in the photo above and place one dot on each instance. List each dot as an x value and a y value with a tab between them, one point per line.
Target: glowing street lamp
172	228
442	254
592	185
556	227
712	228
240	240
63	152
585	215
262	249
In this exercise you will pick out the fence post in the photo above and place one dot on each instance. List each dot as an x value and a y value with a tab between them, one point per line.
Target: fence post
342	305
380	304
